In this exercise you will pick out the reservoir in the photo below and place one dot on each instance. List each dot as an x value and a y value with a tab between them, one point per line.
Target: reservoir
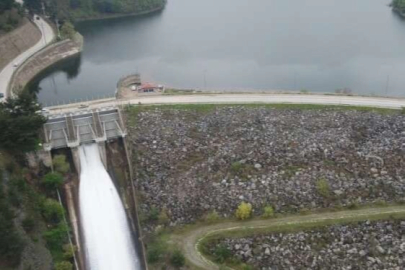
312	45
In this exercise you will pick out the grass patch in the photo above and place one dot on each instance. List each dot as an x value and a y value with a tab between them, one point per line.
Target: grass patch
211	107
173	92
291	170
242	170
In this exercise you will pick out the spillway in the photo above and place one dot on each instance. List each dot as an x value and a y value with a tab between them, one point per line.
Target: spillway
107	239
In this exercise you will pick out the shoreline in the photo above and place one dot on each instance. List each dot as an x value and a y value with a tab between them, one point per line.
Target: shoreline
399	12
120	15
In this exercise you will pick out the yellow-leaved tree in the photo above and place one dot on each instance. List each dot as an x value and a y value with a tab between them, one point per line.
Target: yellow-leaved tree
244	211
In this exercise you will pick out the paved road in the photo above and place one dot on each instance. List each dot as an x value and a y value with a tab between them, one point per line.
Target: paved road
47	36
189	241
391	103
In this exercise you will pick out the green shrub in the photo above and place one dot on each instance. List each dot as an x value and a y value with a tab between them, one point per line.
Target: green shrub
60	164
153	214
68	252
322	186
247	267
67	30
156	249
236	167
56	237
28	224
154	254
212	216
403	110
244	211
52	181
222	253
177	259
52	211
163	217
63	265
353	206
268	212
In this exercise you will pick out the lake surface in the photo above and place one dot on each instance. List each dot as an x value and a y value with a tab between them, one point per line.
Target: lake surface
317	45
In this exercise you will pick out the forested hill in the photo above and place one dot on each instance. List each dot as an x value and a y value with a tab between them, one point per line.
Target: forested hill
11	14
399	6
86	9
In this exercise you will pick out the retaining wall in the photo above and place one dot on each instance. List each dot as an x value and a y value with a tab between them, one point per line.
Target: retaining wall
42	60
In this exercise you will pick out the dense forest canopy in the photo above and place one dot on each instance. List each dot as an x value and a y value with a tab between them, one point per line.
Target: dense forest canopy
399	4
10	15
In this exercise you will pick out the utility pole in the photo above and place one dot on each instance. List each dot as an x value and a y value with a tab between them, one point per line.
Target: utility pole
205	79
57	26
43	9
42	26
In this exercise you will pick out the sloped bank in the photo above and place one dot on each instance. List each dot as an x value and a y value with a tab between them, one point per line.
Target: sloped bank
17	41
193	160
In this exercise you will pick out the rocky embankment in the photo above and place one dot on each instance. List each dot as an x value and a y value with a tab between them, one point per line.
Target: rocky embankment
190	162
366	245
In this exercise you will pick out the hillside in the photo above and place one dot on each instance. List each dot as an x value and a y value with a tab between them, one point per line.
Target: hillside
17	41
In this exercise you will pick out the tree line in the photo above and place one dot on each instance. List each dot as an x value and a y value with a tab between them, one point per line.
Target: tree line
11	14
399	5
73	9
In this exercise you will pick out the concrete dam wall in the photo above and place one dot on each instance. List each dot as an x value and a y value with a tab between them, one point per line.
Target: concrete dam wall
43	60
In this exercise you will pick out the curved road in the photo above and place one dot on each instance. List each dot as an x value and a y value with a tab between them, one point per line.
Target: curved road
47	37
189	240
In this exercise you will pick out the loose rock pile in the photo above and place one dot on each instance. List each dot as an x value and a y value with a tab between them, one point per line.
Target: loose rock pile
190	162
367	245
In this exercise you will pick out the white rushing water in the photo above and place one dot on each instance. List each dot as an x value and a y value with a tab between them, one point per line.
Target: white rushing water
107	238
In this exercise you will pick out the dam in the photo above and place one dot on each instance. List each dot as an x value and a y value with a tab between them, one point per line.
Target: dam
101	210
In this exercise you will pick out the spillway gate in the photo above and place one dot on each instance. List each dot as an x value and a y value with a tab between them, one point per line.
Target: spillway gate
71	129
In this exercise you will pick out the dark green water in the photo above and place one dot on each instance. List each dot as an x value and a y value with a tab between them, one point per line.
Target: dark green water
318	45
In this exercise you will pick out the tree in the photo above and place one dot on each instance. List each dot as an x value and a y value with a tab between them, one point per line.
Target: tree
399	4
67	30
52	211
177	259
60	164
56	236
19	123
268	212
11	244
244	211
34	6
63	265
6	5
52	180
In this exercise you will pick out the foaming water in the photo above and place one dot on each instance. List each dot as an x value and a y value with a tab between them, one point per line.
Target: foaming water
107	238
